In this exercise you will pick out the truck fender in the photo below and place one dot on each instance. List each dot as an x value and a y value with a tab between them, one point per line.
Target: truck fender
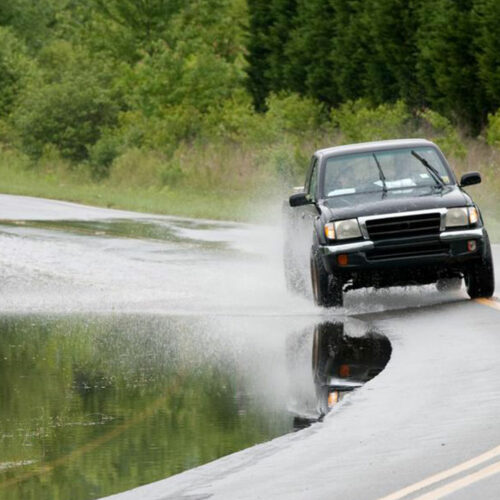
319	232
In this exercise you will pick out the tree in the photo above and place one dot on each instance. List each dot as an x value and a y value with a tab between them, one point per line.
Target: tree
310	68
351	49
67	104
486	16
283	14
32	22
270	25
200	67
391	67
14	68
135	25
259	51
447	66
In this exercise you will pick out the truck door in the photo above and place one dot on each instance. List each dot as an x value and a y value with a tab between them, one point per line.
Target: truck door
308	213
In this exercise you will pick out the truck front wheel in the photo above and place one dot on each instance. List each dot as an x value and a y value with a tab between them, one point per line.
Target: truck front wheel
327	289
480	276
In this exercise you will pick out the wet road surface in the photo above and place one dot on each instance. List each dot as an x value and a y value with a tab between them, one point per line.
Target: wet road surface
118	311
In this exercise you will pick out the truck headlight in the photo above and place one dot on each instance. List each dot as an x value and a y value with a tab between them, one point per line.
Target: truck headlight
330	231
456	217
473	215
343	229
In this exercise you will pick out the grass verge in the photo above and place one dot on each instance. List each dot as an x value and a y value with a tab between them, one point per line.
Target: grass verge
181	201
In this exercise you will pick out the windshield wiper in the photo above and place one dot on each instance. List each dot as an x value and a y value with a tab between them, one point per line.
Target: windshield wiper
432	170
381	175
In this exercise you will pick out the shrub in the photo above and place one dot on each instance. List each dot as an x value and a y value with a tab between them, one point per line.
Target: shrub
68	115
295	114
443	133
103	152
163	132
285	162
141	167
235	120
493	129
359	122
15	66
8	134
174	125
67	105
190	75
171	174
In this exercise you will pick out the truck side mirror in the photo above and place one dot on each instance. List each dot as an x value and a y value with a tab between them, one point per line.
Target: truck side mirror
299	199
470	178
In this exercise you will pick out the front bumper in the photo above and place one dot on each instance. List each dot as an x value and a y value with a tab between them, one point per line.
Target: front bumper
449	249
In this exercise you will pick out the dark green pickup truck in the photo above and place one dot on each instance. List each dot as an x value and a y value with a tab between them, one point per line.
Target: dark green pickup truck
380	214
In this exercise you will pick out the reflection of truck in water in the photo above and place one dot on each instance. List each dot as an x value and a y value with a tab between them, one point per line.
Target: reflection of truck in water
342	361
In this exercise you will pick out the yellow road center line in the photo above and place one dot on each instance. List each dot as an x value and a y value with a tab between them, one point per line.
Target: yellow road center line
489	302
469	464
463	482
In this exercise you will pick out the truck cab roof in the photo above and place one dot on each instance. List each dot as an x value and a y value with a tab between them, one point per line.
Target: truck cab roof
372	146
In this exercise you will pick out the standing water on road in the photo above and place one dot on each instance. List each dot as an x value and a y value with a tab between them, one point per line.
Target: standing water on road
132	349
94	406
97	405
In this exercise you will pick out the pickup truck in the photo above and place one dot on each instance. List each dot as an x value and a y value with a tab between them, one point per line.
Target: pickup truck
381	214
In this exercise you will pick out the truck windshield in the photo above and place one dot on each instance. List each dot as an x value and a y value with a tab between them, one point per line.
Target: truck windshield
385	170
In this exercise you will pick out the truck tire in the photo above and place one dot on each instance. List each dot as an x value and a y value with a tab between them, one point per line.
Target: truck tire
327	289
480	276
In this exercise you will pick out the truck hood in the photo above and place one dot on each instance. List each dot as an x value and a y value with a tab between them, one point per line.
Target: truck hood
401	200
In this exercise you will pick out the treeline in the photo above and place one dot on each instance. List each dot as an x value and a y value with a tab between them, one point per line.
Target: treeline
166	91
90	79
442	54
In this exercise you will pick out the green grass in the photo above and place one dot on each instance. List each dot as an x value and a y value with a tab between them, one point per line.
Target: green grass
181	201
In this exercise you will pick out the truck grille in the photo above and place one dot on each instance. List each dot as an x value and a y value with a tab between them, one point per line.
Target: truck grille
434	248
404	226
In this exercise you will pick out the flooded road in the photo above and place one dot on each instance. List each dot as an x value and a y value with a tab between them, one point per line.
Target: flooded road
91	406
135	347
61	257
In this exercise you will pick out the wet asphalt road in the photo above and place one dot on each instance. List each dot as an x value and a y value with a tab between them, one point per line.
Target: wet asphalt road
434	406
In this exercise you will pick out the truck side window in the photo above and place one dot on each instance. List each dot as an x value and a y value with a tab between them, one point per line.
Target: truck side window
313	180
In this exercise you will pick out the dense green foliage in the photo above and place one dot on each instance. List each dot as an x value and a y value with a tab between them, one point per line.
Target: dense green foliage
93	79
219	94
442	54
